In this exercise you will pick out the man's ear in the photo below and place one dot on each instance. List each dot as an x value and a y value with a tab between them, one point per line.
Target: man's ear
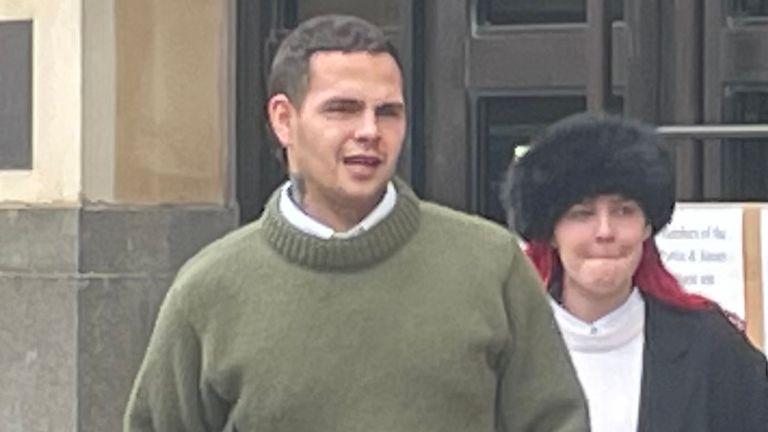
281	117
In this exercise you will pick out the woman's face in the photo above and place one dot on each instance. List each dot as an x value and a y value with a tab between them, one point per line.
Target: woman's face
600	242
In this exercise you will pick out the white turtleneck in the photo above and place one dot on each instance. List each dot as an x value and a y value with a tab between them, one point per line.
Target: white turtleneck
608	357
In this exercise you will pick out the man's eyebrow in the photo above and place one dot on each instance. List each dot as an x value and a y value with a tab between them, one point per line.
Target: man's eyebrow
391	104
345	102
341	101
393	107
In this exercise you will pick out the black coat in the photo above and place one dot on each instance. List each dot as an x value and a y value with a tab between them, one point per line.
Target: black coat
700	374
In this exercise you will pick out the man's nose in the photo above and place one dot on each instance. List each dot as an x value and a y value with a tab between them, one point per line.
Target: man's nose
368	127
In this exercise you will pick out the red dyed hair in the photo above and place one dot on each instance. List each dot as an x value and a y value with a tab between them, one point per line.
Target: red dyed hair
651	277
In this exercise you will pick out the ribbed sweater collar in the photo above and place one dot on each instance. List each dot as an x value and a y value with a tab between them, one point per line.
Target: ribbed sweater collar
366	249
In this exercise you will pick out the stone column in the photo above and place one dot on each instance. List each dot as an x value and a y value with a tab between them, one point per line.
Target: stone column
130	175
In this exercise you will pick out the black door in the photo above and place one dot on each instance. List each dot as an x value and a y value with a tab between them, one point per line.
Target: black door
735	90
497	71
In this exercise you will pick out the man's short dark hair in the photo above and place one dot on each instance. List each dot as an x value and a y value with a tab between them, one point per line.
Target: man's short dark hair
290	68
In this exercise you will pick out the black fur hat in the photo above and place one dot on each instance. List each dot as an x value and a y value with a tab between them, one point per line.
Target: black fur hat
583	156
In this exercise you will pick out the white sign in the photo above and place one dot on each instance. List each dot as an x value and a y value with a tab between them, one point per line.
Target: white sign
764	257
702	246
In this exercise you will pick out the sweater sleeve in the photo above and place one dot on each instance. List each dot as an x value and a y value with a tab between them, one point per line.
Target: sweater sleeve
167	394
539	389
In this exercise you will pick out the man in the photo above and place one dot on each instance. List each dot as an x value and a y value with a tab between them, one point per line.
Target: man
351	305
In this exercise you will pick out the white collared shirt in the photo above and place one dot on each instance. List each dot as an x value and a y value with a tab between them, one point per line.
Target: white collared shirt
608	357
298	218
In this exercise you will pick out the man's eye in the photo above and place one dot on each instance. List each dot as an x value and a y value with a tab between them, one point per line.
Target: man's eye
341	108
389	111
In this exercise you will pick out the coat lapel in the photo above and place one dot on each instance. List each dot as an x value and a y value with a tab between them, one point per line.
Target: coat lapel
667	381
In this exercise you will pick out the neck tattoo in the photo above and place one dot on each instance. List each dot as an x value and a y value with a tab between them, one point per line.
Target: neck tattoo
296	191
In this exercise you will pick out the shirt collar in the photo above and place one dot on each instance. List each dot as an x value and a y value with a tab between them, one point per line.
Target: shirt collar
304	222
607	333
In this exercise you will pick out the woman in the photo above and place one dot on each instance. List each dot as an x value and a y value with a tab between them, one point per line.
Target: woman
588	197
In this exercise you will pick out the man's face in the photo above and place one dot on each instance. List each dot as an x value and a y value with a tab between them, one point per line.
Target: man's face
345	138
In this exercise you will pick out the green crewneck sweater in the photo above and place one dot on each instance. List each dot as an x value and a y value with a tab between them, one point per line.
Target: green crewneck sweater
432	321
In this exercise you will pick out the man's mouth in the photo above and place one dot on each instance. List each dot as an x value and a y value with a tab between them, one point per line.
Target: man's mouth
369	161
